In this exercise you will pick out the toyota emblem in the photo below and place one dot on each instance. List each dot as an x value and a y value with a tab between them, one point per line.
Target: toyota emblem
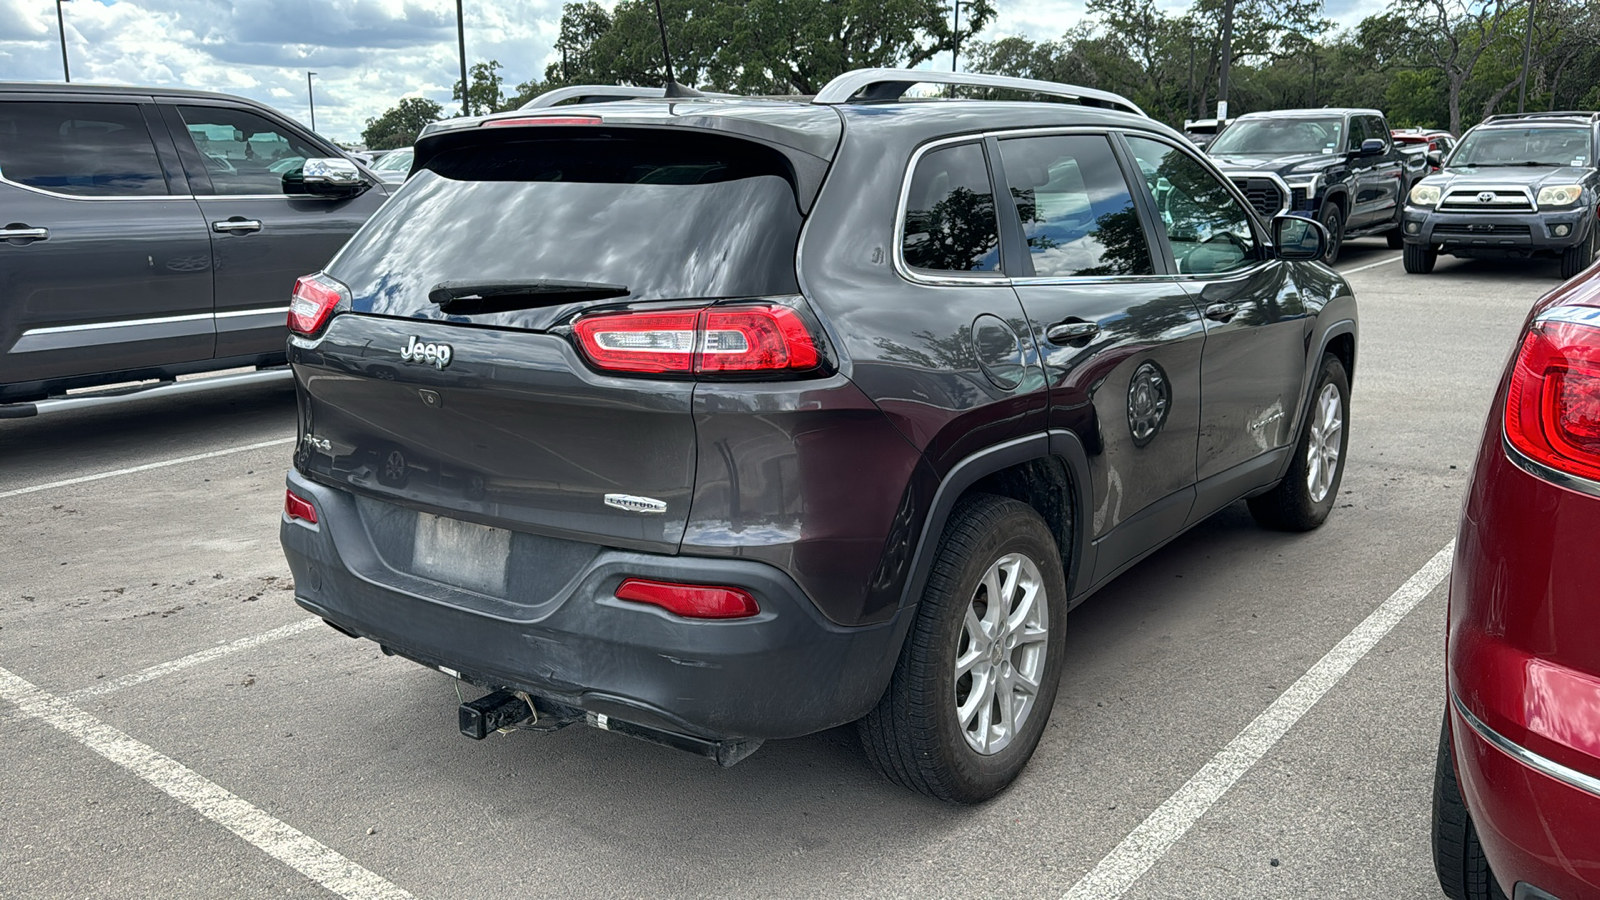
1486	196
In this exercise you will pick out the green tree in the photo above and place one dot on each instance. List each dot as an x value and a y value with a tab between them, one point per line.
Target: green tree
763	46
398	126
484	96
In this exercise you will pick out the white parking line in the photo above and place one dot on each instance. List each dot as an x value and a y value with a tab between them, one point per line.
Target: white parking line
1147	844
1381	262
16	492
194	659
277	839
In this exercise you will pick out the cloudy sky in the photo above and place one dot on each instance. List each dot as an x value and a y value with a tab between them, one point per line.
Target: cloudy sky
366	53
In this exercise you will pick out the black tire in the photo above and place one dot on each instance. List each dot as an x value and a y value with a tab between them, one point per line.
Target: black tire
915	736
1576	258
1395	238
1333	220
1420	258
1457	856
1292	505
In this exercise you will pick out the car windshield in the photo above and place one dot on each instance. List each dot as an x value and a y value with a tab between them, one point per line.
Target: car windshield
1280	136
397	161
1524	147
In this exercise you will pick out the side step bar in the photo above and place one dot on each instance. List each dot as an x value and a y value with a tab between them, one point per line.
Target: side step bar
159	389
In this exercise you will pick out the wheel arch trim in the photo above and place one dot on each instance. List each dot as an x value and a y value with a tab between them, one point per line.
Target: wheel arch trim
1059	443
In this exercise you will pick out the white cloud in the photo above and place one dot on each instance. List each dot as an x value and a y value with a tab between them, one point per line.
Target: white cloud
367	53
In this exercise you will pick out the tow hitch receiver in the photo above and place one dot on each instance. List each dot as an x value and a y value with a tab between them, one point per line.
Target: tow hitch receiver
488	714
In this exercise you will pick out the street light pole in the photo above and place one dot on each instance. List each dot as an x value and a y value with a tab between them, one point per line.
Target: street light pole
311	100
61	23
1527	55
955	40
461	42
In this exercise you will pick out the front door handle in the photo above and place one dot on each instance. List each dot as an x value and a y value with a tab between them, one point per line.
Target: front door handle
1222	312
1067	332
236	226
20	232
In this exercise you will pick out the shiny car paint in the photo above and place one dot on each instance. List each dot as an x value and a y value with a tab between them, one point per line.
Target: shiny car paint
1524	660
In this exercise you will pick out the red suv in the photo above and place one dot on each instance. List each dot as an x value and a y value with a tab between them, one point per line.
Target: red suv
1517	792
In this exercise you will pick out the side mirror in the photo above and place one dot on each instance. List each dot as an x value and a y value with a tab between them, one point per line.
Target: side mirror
1436	159
1371	147
330	177
1299	238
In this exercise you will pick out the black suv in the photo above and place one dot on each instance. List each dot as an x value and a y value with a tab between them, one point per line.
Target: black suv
713	421
1338	166
149	233
1517	186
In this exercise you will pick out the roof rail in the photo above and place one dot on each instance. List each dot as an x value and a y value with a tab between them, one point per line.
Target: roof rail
1552	114
868	85
599	93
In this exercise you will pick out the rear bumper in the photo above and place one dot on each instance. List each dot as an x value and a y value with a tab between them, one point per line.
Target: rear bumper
1538	820
1496	234
783	673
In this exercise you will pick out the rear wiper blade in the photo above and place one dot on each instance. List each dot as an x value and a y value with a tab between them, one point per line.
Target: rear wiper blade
469	298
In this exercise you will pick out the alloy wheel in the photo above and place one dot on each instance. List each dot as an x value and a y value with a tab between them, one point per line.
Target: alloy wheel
1322	451
1000	654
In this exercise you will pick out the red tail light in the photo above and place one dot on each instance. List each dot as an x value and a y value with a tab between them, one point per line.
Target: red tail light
719	339
543	120
316	297
1553	404
692	601
298	507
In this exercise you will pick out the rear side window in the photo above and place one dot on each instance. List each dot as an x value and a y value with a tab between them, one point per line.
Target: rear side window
665	215
951	225
1075	207
82	149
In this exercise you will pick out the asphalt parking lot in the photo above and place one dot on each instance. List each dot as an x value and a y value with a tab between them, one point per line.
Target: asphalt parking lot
174	726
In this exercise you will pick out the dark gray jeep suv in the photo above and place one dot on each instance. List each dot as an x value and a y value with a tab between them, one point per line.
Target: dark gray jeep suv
145	234
713	421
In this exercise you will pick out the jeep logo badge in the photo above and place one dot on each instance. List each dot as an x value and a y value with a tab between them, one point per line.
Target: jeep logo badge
1486	196
436	355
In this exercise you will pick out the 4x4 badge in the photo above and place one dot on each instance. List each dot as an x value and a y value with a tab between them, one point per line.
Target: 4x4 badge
437	355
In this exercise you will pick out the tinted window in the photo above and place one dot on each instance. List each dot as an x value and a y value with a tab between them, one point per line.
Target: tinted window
1374	130
83	149
1075	206
677	216
244	153
1208	229
951	224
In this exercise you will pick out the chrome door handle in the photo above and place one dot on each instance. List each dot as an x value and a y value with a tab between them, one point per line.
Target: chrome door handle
236	226
23	233
1067	332
1222	312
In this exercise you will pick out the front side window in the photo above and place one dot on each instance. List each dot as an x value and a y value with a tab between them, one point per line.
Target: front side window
244	153
1208	229
1075	207
81	149
951	225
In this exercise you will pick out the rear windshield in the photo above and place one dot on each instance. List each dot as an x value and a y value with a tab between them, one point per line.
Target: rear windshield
668	216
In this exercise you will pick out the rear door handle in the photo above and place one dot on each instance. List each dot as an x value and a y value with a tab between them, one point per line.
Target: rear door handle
23	233
1222	312
236	226
1067	332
